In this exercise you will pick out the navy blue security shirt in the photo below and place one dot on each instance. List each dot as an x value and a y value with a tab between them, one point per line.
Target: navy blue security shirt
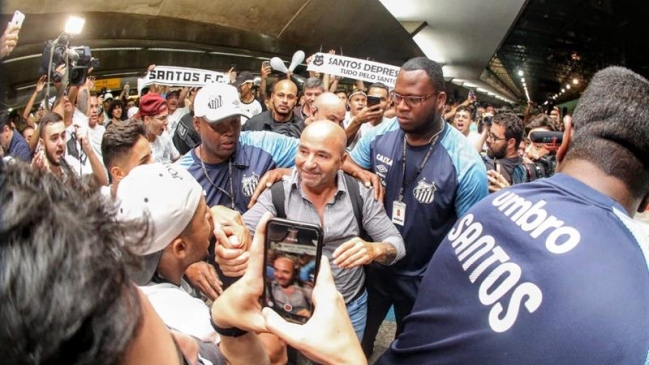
549	272
453	179
256	153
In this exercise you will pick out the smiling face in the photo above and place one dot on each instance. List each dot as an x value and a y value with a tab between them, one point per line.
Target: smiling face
284	271
320	155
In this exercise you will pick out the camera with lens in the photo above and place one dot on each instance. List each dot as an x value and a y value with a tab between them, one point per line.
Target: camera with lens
58	52
543	167
546	165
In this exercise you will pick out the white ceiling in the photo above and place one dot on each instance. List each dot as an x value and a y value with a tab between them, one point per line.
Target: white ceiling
463	35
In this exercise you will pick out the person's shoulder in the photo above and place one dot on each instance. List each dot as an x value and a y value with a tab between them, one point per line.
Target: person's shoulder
187	160
257	122
462	153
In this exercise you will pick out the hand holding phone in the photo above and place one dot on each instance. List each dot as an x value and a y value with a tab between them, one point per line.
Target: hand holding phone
373	100
292	260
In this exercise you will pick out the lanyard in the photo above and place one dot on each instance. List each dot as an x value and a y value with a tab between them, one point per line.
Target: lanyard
228	194
404	183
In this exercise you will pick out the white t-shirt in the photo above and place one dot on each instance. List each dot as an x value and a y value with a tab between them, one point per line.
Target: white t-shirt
473	137
253	108
95	135
181	311
163	149
174	119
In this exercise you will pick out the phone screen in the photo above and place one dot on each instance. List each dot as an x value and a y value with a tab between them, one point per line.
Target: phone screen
292	259
265	64
373	100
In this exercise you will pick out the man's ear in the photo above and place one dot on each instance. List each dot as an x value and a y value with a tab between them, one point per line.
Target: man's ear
179	248
343	158
197	124
117	173
567	135
441	100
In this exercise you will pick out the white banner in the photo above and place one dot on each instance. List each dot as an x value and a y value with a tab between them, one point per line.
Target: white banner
180	76
354	68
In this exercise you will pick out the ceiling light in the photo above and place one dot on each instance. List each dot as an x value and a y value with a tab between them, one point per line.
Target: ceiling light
563	90
520	72
568	87
74	25
575	81
522	79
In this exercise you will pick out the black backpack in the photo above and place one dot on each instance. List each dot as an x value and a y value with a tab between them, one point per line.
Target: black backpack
278	197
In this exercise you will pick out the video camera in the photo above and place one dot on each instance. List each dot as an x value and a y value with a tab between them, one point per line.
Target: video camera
58	52
546	165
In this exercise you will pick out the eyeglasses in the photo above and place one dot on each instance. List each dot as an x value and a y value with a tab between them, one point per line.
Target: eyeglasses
494	138
411	101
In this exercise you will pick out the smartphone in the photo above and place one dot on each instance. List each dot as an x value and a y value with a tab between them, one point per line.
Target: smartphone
265	64
373	100
291	261
18	19
471	95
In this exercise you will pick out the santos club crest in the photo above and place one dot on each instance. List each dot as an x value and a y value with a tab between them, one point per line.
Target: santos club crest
249	184
424	192
319	60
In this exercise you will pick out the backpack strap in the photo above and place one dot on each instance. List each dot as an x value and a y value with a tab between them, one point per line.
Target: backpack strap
277	194
357	204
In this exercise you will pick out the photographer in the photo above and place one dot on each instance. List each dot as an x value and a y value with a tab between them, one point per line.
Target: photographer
541	161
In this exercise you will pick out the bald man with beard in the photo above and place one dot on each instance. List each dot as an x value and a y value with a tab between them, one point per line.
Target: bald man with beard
280	117
318	192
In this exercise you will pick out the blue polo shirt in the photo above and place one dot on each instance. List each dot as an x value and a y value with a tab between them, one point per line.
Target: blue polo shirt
452	180
549	272
18	148
255	154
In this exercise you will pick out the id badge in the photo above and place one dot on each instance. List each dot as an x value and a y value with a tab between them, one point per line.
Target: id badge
398	212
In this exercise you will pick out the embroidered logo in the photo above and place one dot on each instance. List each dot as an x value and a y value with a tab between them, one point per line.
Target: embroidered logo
249	184
424	192
215	102
382	169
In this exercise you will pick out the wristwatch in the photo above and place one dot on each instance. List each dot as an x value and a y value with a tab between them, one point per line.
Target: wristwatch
228	332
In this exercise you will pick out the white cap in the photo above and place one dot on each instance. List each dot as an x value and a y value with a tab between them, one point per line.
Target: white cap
167	195
132	111
218	101
108	96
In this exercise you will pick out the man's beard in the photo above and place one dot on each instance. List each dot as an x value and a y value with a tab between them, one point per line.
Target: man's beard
497	154
51	159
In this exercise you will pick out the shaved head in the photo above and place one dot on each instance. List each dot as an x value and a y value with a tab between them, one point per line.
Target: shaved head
330	107
326	130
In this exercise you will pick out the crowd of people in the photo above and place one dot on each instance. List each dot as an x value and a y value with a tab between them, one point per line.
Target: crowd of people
132	229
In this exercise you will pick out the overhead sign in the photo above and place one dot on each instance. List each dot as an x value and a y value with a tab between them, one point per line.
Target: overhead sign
354	68
109	84
180	76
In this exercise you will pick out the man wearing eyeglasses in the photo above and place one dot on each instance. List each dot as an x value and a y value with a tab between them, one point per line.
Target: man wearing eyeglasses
431	174
154	113
503	139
